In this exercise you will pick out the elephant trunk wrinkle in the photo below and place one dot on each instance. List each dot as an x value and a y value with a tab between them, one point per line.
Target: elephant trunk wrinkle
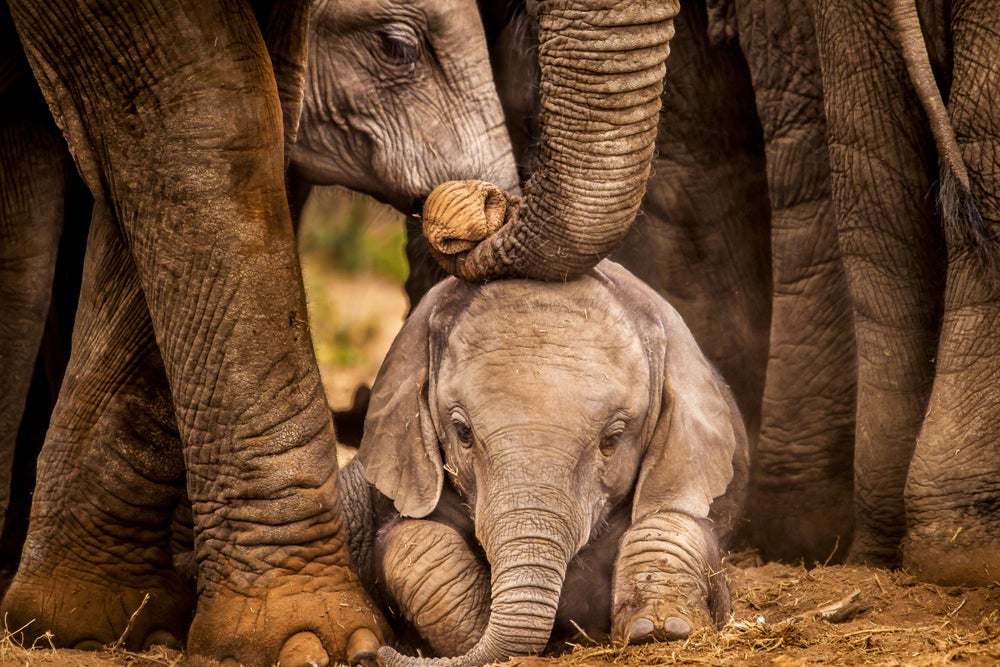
601	81
529	546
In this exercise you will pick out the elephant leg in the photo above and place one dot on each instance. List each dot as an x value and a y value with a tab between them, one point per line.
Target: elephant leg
668	580
436	582
34	167
175	116
109	477
953	486
881	163
801	483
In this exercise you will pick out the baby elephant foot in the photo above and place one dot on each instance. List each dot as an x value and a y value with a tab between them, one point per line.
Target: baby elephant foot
295	621
84	610
668	580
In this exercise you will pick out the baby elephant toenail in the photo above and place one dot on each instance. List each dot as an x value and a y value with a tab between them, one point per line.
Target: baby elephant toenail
676	628
640	630
89	645
302	650
362	647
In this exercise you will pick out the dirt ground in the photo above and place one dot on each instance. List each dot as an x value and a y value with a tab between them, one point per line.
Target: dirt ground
783	616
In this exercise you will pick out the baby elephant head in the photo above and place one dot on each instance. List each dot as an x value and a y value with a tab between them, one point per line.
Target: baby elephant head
549	405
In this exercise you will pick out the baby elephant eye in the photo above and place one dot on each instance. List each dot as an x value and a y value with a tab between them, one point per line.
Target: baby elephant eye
612	437
609	442
463	433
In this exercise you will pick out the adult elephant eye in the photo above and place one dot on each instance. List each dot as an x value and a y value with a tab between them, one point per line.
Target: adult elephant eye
400	45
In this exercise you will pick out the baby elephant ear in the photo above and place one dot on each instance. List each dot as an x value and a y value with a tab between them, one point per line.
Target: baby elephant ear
399	449
698	449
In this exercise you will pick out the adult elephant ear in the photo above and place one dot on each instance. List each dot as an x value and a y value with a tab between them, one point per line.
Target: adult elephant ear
697	458
602	67
399	449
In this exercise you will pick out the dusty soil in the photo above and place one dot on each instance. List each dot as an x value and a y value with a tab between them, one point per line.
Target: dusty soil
782	618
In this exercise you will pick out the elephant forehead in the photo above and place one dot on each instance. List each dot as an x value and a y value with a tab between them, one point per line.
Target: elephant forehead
538	343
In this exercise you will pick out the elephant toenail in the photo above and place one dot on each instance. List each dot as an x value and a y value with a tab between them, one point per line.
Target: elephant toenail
161	638
303	650
89	645
362	647
640	630
230	662
676	628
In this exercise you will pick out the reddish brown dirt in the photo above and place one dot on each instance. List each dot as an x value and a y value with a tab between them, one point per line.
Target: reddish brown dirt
894	620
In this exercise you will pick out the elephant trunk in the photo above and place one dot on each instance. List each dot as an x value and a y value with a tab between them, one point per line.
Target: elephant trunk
602	69
528	558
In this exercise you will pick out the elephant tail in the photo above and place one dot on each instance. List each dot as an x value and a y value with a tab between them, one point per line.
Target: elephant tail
964	225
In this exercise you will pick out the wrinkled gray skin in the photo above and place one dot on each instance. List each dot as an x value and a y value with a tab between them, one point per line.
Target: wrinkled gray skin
399	97
193	373
556	453
728	253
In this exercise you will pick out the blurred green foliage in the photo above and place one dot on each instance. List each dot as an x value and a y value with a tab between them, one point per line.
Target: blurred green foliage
354	234
353	266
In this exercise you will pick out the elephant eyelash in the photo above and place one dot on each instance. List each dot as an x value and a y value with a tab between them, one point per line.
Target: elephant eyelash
400	45
612	437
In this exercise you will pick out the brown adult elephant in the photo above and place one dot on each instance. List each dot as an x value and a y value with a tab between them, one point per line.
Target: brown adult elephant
192	371
602	65
920	269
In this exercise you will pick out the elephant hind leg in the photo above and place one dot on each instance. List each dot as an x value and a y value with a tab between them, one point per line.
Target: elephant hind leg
436	582
953	481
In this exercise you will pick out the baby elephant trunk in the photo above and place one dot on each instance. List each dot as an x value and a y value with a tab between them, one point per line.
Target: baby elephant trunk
529	547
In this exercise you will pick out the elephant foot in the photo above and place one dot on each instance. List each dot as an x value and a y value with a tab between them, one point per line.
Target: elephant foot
659	620
90	613
296	620
874	550
668	581
954	539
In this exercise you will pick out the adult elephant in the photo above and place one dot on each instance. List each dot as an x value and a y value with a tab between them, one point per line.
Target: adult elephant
919	269
192	370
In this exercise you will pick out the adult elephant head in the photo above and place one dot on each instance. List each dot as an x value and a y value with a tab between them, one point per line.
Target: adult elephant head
602	67
399	97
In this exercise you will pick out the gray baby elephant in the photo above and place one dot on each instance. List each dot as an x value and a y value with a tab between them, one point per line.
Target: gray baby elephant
538	455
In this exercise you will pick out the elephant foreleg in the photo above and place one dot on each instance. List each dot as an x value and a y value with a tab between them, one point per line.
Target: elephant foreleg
436	582
668	580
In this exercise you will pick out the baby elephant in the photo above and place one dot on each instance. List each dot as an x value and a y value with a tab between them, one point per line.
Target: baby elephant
539	455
